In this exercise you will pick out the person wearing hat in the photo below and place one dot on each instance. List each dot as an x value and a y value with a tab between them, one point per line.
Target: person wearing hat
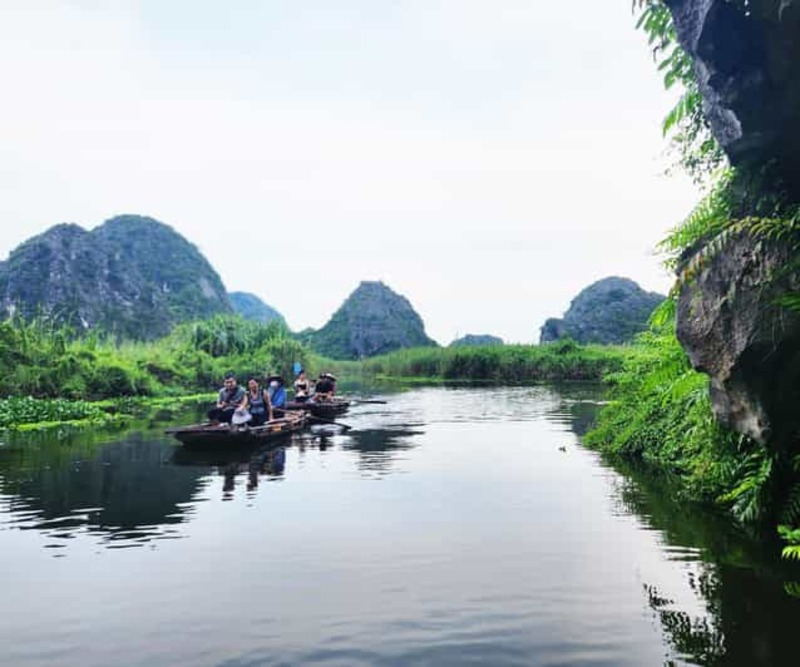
325	387
277	393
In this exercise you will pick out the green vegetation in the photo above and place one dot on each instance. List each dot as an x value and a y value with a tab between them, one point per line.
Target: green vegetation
43	360
661	413
564	360
52	376
23	410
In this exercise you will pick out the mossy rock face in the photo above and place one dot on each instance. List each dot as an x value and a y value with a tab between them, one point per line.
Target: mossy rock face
610	311
131	276
373	320
733	326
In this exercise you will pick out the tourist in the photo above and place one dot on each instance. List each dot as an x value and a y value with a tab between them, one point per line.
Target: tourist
302	387
277	394
258	403
231	398
325	387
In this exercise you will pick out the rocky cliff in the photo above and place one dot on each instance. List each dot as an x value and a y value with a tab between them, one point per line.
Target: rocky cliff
250	307
734	328
730	317
612	310
372	320
744	54
132	276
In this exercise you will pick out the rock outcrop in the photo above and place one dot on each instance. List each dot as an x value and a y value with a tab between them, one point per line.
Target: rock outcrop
744	54
132	276
612	310
372	320
734	329
250	307
729	318
475	340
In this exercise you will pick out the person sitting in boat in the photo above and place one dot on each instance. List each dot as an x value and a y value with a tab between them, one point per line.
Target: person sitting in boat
302	387
277	394
231	398
259	404
325	387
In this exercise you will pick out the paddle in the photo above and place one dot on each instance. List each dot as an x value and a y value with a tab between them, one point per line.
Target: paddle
322	420
369	401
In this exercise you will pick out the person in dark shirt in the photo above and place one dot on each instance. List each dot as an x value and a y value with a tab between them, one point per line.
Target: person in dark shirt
231	397
325	387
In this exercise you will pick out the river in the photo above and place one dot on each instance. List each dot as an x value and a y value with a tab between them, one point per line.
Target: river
447	527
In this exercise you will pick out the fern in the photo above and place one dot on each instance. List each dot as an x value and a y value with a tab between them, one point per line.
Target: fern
748	496
791	507
791	552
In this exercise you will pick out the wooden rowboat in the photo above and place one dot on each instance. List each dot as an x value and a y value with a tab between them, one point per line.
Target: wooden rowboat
225	435
323	409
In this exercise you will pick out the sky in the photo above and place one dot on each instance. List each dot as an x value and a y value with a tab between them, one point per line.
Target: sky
487	160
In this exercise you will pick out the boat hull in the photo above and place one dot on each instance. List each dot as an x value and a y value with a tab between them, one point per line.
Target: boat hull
225	435
322	409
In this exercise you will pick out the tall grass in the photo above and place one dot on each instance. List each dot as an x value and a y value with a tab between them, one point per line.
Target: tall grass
42	360
564	360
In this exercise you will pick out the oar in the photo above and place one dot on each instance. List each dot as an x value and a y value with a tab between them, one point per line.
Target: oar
322	420
369	401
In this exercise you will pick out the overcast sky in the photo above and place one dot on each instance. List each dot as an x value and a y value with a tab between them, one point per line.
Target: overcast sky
485	159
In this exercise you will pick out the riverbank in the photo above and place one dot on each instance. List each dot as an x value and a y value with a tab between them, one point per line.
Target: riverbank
55	378
500	364
660	414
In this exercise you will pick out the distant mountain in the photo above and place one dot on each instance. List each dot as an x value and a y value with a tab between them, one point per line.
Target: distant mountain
372	320
476	340
132	276
612	310
250	307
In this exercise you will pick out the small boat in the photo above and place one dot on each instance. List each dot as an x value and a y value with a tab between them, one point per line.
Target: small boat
226	435
323	409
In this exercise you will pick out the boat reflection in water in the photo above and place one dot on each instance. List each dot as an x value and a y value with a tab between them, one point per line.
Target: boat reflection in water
266	461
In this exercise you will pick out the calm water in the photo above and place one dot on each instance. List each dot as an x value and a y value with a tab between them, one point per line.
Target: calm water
449	527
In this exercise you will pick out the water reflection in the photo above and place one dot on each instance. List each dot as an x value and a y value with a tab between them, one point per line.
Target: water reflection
378	448
749	618
541	557
745	616
123	491
267	461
